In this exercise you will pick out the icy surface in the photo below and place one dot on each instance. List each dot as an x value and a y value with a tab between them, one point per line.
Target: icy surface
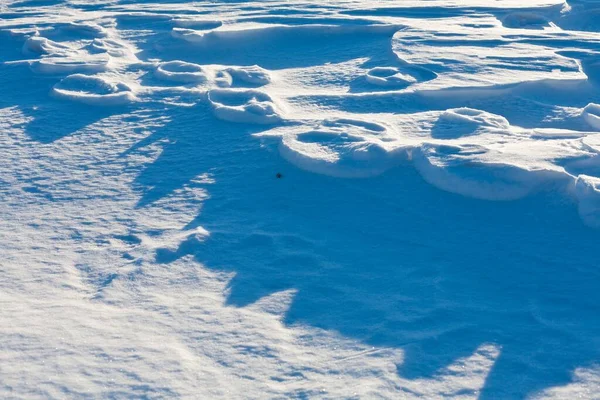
300	199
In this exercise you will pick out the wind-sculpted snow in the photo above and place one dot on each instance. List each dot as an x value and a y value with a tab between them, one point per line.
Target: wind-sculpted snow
591	114
285	199
93	90
588	192
244	106
340	147
180	71
252	75
388	76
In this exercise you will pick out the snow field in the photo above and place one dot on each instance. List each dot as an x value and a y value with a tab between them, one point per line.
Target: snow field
299	199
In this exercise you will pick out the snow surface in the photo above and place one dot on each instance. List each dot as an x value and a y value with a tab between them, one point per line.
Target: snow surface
300	199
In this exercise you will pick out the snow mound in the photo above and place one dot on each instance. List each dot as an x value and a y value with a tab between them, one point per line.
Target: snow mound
252	75
389	76
93	90
244	106
340	147
459	122
591	115
587	190
180	71
470	170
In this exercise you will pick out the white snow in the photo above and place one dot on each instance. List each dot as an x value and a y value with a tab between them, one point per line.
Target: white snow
253	75
93	90
299	199
180	71
388	76
244	106
588	192
591	114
